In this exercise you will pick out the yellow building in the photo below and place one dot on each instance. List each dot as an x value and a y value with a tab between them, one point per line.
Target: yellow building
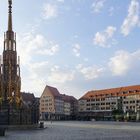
56	106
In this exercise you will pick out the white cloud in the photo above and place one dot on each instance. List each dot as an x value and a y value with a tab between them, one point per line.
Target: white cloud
123	62
90	72
111	10
104	39
97	5
30	44
49	11
33	45
34	72
51	50
38	69
42	73
36	78
58	75
132	20
86	59
76	49
120	63
60	0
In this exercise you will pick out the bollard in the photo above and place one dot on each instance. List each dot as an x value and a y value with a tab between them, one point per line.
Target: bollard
41	125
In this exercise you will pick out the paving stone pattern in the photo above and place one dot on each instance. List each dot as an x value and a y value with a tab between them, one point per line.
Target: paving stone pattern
79	131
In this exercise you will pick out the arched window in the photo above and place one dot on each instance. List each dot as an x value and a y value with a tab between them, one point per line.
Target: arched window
18	71
10	45
6	48
14	46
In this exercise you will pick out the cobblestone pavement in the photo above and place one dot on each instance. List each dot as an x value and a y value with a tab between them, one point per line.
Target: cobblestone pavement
76	130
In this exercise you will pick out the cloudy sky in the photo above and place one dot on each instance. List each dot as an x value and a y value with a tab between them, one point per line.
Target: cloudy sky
76	45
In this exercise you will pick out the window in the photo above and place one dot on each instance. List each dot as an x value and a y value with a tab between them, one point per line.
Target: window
97	99
124	92
132	102
107	108
107	103
14	46
10	45
6	48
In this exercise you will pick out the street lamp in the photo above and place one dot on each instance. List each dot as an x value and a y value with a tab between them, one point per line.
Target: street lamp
138	113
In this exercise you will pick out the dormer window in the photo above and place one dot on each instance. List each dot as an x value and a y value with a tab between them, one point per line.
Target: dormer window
136	90
130	91
124	92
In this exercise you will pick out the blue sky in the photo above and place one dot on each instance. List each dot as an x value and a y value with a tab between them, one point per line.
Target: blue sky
76	45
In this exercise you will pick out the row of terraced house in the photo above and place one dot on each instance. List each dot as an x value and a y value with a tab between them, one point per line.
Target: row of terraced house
96	104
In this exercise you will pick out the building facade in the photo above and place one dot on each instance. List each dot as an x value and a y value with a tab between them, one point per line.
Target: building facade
56	106
102	103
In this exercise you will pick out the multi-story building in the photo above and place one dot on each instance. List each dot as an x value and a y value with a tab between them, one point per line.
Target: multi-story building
56	106
70	106
101	103
66	105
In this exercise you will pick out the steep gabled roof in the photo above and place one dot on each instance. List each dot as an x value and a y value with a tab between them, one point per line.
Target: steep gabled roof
54	91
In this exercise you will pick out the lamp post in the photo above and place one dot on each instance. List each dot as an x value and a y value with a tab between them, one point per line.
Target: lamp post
138	113
127	115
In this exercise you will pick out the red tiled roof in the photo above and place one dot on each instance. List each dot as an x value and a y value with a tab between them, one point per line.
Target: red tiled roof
112	91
